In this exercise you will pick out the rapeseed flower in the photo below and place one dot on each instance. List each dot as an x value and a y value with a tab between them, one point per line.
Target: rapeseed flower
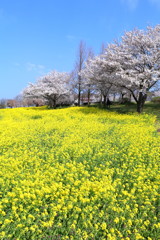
78	173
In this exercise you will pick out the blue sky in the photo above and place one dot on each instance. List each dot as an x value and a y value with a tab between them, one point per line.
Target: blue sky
37	36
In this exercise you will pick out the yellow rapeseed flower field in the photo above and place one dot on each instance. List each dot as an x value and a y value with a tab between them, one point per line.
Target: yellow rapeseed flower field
78	173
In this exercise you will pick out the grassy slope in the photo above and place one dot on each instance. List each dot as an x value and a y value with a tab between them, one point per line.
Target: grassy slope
149	108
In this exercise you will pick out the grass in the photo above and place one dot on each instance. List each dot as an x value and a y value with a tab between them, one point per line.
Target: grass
149	108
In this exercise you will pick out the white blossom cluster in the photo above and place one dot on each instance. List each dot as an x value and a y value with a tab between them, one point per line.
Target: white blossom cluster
53	88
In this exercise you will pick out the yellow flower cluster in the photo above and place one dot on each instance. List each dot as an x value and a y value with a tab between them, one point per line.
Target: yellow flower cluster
78	173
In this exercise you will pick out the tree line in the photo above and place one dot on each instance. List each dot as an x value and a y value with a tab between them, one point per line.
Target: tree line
131	65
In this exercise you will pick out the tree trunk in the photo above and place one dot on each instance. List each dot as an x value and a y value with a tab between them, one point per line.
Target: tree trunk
140	103
101	99
122	97
104	102
89	93
79	95
114	97
54	103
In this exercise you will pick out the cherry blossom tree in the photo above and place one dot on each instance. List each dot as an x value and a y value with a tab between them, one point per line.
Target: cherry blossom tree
137	59
53	88
132	64
99	75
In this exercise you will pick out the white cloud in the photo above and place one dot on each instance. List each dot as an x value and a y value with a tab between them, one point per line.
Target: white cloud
132	4
16	64
35	67
41	67
70	37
